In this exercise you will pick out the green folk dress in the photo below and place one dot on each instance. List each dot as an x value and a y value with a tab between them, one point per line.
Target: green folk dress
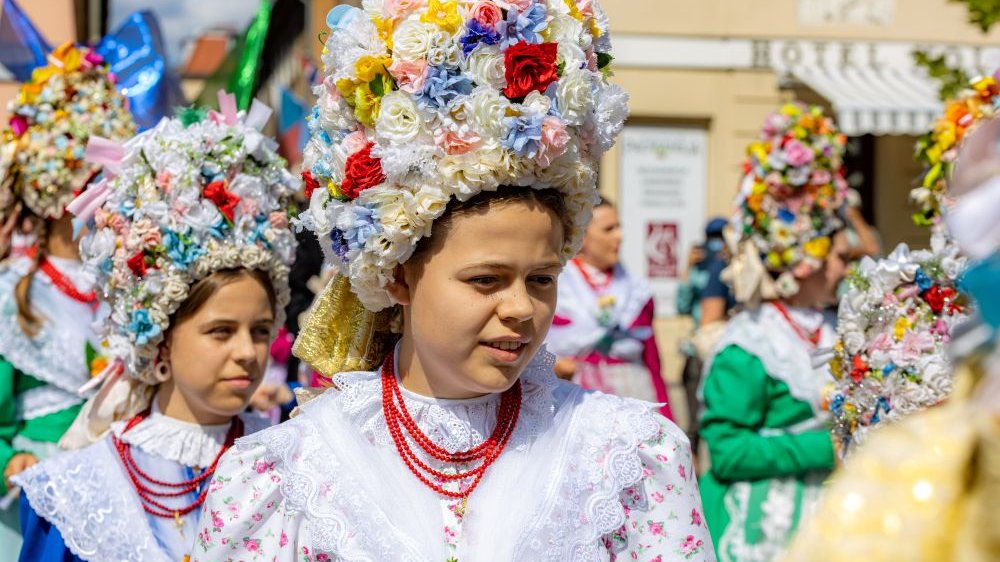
767	436
40	375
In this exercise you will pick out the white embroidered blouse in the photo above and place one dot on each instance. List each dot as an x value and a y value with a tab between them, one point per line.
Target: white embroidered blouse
586	476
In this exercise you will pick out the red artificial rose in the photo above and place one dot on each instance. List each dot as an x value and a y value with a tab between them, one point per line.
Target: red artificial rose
311	183
935	299
362	171
224	199
860	368
529	68
137	264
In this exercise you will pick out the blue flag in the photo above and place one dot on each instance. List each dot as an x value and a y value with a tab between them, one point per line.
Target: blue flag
137	57
22	47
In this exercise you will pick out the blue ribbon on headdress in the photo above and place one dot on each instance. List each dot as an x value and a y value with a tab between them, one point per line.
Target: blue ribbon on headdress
137	57
22	47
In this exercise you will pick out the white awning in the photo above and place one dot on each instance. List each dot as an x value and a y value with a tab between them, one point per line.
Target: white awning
889	100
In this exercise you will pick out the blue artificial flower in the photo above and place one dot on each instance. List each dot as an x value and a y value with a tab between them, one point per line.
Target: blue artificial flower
477	33
523	26
889	368
837	403
260	230
365	224
143	327
127	208
339	244
923	281
444	85
218	230
524	133
786	216
211	171
181	248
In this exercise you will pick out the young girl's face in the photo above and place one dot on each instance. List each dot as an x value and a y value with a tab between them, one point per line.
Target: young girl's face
217	356
479	303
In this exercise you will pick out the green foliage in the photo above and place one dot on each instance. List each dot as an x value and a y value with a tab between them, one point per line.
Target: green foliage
982	13
952	80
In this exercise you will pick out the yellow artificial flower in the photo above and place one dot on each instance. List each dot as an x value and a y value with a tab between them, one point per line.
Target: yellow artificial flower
773	259
366	105
334	190
385	27
368	67
98	365
574	12
758	150
791	110
346	87
788	256
817	247
443	14
607	301
902	324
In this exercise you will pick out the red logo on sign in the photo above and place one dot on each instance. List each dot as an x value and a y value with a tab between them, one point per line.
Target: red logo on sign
661	250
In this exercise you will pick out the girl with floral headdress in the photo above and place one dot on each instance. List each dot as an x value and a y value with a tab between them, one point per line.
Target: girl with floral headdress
190	243
48	348
451	170
927	488
763	423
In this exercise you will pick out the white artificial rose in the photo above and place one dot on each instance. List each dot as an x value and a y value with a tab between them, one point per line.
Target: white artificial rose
485	65
610	114
486	110
413	39
575	96
536	103
398	119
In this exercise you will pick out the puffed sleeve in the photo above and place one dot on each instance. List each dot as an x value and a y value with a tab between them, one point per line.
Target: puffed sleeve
42	541
663	513
245	517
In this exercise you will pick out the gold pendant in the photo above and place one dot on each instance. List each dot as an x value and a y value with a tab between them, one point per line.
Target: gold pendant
179	522
461	508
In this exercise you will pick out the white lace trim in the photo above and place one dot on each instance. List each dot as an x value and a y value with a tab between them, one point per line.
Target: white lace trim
594	460
84	495
57	355
765	334
44	400
183	442
453	424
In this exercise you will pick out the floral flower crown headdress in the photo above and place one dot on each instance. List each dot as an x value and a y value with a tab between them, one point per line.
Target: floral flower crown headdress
195	194
429	100
792	192
893	326
938	149
42	153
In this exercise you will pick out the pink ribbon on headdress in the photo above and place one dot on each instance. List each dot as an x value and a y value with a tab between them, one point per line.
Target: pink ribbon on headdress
258	115
227	106
88	202
106	153
112	371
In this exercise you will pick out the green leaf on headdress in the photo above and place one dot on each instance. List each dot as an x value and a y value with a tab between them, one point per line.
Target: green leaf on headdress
191	115
90	353
604	60
932	175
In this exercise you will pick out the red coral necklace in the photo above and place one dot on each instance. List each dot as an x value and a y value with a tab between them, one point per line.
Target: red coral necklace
64	284
153	493
398	419
811	337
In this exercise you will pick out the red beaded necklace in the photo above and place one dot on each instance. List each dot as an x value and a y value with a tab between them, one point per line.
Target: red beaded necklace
597	287
63	283
398	418
809	337
147	493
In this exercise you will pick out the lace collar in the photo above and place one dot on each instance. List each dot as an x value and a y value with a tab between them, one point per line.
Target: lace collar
183	442
452	424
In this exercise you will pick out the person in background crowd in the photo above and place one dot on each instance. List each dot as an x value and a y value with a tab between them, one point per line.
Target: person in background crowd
763	422
195	275
602	332
48	348
702	283
927	488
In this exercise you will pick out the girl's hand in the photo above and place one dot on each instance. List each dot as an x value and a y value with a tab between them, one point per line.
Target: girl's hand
18	464
268	396
565	368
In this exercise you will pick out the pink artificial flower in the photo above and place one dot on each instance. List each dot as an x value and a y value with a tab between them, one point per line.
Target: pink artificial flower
454	142
821	177
881	342
410	75
553	142
355	142
397	10
486	12
278	219
586	7
163	180
908	292
915	344
591	59
798	154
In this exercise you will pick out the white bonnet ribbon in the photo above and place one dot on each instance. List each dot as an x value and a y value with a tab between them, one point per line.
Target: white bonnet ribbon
974	221
120	398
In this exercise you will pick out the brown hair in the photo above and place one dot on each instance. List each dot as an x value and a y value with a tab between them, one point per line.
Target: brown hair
203	290
550	199
30	322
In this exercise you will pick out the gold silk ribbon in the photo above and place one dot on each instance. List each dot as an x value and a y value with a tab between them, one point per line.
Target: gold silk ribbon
340	335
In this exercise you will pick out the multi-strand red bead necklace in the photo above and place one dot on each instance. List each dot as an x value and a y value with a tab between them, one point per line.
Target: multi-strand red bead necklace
152	491
597	286
398	419
811	337
64	284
